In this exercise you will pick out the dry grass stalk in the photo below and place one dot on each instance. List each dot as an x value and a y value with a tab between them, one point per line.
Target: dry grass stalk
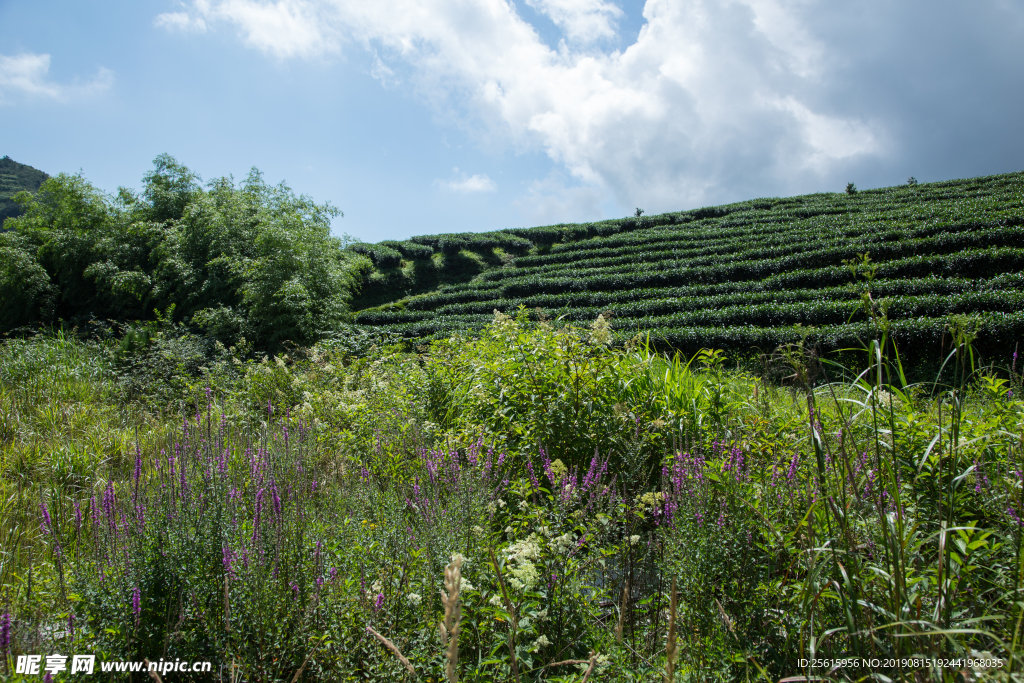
298	674
671	647
622	613
394	650
452	616
590	669
725	619
152	674
567	661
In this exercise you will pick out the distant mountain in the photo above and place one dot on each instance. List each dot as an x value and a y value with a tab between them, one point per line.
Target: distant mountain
14	178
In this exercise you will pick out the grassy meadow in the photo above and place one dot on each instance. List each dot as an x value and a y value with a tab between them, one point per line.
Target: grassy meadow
532	503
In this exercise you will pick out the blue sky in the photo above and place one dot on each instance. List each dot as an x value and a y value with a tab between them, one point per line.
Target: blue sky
426	116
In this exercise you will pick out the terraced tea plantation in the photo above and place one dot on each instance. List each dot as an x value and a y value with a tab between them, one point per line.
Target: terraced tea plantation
742	276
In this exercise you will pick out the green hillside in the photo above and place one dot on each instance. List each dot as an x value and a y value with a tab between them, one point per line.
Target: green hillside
14	178
739	276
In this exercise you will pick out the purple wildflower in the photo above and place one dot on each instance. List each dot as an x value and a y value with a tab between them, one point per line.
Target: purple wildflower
256	517
228	558
792	467
379	602
47	522
137	604
533	477
5	632
547	466
276	498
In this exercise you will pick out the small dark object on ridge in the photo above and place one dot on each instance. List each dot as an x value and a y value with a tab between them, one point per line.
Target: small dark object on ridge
851	188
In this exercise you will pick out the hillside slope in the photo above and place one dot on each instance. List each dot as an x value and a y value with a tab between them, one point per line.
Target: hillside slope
14	178
740	276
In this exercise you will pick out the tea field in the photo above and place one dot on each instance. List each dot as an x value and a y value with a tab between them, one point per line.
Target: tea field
734	277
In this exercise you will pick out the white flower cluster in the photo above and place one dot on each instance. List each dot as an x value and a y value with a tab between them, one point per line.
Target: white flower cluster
521	554
541	641
527	549
414	598
524	576
561	544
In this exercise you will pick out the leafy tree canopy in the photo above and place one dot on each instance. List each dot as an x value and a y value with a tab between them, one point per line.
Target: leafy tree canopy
252	260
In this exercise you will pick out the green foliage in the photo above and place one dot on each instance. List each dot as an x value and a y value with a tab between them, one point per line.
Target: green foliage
250	262
271	518
26	294
553	388
15	178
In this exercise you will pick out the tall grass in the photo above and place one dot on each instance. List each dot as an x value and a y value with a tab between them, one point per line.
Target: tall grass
415	517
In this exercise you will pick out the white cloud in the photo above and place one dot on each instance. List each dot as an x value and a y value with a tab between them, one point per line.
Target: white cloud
284	28
26	74
831	138
467	184
552	200
581	20
714	101
180	21
382	72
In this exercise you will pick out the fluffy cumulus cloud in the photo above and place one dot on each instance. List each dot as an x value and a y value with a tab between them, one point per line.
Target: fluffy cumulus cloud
28	75
715	100
467	183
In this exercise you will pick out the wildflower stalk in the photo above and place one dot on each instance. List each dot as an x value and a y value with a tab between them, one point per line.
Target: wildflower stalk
671	647
452	617
622	613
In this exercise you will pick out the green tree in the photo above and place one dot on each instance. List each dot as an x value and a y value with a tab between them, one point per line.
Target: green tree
254	260
26	295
